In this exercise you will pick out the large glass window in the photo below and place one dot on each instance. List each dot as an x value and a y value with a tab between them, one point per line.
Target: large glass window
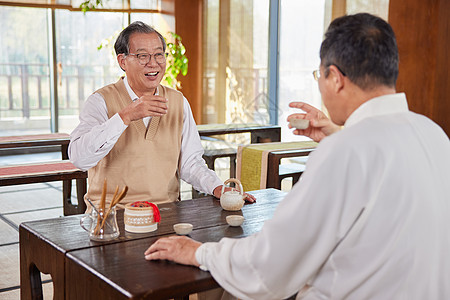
235	72
301	32
82	68
24	71
235	57
235	61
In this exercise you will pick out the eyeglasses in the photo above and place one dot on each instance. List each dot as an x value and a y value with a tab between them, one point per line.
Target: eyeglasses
340	70
144	58
316	73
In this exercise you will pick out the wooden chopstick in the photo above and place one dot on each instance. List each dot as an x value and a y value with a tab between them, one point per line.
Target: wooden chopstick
113	203
115	194
101	208
120	197
103	198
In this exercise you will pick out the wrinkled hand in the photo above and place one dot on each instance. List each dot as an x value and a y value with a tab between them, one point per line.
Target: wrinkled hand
319	125
148	105
180	249
218	192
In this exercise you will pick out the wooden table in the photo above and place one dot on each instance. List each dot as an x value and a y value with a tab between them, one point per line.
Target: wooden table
83	269
258	133
37	140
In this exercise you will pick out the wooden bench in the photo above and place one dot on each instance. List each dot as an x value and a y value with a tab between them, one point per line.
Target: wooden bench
44	172
51	171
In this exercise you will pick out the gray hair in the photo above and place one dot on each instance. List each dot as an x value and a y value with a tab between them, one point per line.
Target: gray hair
363	47
121	46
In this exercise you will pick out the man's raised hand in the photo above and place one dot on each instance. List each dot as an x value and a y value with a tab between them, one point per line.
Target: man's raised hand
148	105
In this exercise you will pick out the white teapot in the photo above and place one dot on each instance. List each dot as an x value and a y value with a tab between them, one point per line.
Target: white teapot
232	200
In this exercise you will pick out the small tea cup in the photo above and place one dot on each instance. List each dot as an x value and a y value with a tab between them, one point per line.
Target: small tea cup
235	220
299	123
183	228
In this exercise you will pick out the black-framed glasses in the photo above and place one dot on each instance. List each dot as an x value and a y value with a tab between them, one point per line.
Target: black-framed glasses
144	58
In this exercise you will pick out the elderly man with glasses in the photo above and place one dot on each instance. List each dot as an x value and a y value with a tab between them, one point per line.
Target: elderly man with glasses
139	133
370	217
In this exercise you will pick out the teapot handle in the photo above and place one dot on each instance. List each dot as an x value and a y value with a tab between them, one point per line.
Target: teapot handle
241	190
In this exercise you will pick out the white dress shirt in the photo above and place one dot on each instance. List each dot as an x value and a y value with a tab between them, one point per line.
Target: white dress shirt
96	135
369	218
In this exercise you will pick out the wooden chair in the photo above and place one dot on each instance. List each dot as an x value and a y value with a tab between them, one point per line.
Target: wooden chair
259	165
276	171
210	157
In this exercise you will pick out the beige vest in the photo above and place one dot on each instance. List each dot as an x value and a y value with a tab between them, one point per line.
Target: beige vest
144	159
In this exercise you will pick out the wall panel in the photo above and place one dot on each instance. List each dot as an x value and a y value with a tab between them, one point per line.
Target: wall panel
423	35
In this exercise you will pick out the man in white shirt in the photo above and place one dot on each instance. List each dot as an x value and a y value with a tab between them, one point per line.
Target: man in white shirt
139	133
370	216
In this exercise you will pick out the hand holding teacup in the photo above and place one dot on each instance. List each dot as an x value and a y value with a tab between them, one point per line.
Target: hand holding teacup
313	123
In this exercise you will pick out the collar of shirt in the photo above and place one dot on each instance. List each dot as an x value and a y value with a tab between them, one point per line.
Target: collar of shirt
132	94
383	105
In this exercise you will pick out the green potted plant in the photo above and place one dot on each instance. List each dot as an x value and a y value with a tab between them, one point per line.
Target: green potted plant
177	62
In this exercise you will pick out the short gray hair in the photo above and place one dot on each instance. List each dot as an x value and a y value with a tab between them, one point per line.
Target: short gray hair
363	47
121	46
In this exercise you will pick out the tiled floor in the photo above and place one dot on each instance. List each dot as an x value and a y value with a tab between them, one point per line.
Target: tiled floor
38	201
19	204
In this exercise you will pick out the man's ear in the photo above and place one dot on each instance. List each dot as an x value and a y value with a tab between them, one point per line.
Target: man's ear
337	78
121	60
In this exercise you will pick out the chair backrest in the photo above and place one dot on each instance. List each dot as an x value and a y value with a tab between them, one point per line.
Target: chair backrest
254	163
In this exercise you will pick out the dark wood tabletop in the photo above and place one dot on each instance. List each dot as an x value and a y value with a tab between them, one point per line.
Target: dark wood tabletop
119	271
258	133
84	269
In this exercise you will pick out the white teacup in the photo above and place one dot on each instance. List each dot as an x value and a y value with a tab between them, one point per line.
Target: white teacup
299	123
183	228
235	220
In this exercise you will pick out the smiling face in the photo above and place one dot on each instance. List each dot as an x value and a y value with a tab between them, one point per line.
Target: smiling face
143	78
